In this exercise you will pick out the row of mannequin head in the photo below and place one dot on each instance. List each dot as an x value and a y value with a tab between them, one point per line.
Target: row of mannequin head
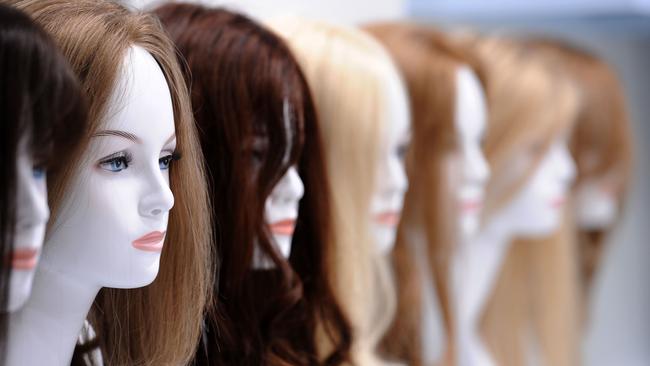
258	182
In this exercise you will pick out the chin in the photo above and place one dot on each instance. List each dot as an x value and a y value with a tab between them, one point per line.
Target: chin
541	227
385	238
469	225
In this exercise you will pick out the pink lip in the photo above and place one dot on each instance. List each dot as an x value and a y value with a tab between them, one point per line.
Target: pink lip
284	227
388	218
471	206
24	259
558	202
152	242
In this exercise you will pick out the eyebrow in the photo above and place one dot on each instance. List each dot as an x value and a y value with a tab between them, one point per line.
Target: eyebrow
127	135
123	134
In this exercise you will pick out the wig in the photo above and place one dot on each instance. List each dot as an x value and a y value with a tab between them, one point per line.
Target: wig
40	100
429	62
94	36
247	87
601	141
348	73
531	105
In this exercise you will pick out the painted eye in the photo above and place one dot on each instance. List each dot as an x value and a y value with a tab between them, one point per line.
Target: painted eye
165	162
38	172
401	151
116	163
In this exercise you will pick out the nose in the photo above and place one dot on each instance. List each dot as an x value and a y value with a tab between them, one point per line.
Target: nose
32	196
476	168
158	198
290	188
397	181
566	167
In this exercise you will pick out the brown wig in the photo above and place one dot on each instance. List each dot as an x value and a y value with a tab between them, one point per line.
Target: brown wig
158	324
243	80
601	141
531	105
40	100
429	62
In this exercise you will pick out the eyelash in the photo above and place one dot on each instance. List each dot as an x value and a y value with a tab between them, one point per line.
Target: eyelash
401	151
167	160
120	161
110	163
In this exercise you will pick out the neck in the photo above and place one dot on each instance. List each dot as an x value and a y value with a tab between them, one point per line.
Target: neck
476	267
46	329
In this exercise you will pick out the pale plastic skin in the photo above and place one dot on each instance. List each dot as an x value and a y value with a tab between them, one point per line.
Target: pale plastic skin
281	213
468	173
32	214
470	123
534	212
109	207
391	181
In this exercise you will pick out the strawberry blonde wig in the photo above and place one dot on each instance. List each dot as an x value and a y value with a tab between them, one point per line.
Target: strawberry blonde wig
430	63
531	105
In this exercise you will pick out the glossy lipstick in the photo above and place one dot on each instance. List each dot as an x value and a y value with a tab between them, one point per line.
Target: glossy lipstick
152	242
24	259
284	227
388	218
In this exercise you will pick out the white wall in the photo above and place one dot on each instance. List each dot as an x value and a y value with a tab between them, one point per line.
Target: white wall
339	11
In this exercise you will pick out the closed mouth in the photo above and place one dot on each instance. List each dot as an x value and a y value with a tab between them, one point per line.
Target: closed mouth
151	242
388	218
471	206
284	227
24	259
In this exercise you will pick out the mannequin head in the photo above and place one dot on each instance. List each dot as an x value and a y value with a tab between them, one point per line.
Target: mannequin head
527	141
360	102
446	167
262	147
532	112
601	144
130	156
43	114
137	102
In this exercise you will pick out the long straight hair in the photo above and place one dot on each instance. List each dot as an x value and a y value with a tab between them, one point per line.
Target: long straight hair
348	72
41	101
247	85
429	62
601	141
535	293
158	324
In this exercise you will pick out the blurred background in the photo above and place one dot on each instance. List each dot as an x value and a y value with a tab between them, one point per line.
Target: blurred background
616	30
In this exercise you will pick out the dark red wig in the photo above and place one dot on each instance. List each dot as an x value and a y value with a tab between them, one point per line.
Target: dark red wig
242	76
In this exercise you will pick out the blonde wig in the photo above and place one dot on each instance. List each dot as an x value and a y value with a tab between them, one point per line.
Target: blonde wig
158	324
429	62
601	141
531	105
347	71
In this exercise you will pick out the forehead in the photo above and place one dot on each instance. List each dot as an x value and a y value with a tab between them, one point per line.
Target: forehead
470	101
397	107
141	102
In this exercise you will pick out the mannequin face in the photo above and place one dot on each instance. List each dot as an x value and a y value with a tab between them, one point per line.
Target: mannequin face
391	180
596	203
281	209
111	228
31	217
536	211
470	122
